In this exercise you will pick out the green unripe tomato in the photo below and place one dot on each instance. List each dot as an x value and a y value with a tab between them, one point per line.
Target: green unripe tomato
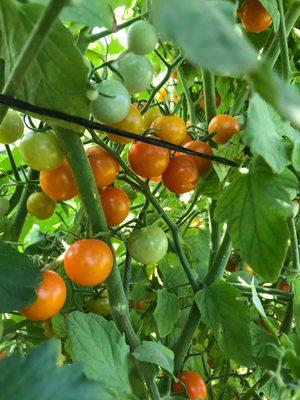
41	151
148	245
112	104
136	71
40	206
12	127
4	206
141	38
99	305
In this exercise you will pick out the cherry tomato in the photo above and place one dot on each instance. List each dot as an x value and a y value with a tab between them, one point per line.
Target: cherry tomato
148	245
116	205
11	128
232	264
112	104
99	305
2	356
254	16
88	262
181	175
133	122
263	325
192	384
201	147
150	115
284	286
41	151
51	296
155	179
59	183
225	126
41	206
246	267
139	304
104	166
136	71
174	75
161	95
4	206
141	38
202	102
188	139
175	98
170	128
148	160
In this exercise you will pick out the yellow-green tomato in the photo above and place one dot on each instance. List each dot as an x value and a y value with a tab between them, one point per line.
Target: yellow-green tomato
12	127
112	104
41	151
136	71
4	206
40	206
141	38
99	305
148	245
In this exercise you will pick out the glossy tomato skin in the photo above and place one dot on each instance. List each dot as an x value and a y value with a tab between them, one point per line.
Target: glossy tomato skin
104	166
40	205
51	296
116	205
141	38
41	151
202	102
225	125
192	384
88	262
59	184
112	104
254	16
136	71
201	147
148	245
4	206
99	305
133	122
148	160
150	115
12	127
181	175
170	129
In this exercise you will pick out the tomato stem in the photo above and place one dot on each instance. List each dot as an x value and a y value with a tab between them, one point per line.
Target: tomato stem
294	245
209	94
285	62
190	104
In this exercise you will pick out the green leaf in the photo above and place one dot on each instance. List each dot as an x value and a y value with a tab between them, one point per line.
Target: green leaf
166	312
271	7
197	241
172	271
19	277
296	308
263	347
59	325
189	24
89	12
296	156
262	137
228	318
99	346
231	152
38	377
256	300
256	205
57	77
155	353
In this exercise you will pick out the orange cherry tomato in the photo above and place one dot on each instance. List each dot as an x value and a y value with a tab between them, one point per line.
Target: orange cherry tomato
188	139
155	179
225	126
170	128
116	205
133	122
192	384
175	98
3	356
88	262
284	286
59	183
202	102
150	115
104	166
148	160
181	175
51	296
161	95
254	16
201	147
174	75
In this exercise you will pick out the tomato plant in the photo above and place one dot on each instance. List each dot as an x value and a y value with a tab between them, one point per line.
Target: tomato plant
116	205
104	166
11	128
41	206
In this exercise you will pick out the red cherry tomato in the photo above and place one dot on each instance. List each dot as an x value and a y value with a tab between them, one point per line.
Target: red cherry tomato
148	160
59	183
170	129
181	175
51	296
225	126
284	286
116	205
202	102
254	16
192	384
88	262
105	168
201	147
